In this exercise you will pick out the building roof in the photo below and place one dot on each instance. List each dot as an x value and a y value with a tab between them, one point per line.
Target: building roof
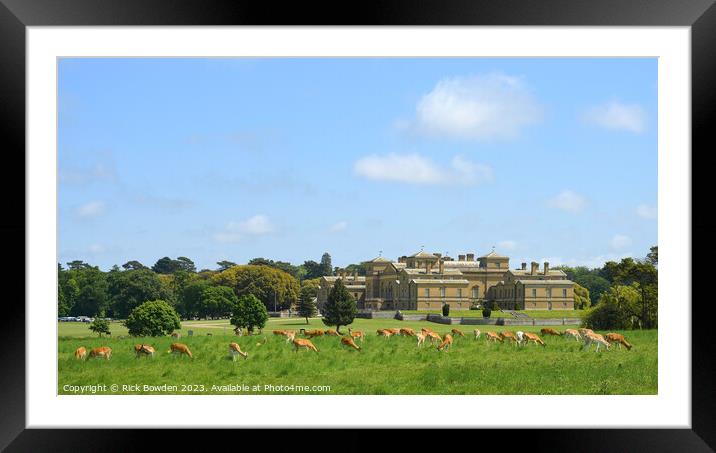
379	259
347	278
400	265
433	271
546	282
422	254
462	263
458	281
492	254
527	272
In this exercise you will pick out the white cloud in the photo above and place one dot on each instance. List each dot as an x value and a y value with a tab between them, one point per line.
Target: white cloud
646	211
507	245
416	169
337	227
568	201
620	241
617	116
257	225
96	248
90	210
493	106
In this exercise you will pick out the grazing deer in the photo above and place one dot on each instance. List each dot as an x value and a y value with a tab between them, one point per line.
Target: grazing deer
394	331
384	333
348	341
457	332
446	343
176	335
407	332
80	353
332	333
508	336
520	337
312	333
103	352
477	333
550	331
301	343
279	332
290	336
492	336
590	338
529	336
421	338
426	330
179	349
573	333
356	334
143	350
618	339
433	336
235	350
583	331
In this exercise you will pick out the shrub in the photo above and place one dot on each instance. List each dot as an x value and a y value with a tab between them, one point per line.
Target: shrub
249	313
340	307
486	312
446	309
152	319
100	326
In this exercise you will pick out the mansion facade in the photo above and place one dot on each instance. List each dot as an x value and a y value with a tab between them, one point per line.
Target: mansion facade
426	281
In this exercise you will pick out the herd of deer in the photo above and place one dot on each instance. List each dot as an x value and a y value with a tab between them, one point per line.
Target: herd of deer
519	338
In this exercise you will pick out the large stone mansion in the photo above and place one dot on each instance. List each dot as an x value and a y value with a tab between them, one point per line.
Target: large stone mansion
425	281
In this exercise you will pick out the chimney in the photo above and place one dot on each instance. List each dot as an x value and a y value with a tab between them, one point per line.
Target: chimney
524	266
427	267
546	268
442	267
471	257
535	265
461	257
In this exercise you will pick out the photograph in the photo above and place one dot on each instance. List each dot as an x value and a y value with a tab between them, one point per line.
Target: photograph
357	225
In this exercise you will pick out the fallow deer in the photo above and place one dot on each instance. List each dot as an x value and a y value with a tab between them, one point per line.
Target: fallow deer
421	338
590	338
492	336
179	349
235	350
618	339
356	334
302	343
332	333
80	353
573	333
433	336
103	352
312	333
348	341
529	336
384	333
143	350
550	331
457	332
446	343
508	336
407	332
477	333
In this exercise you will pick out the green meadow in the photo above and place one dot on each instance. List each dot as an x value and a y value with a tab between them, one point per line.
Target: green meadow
383	366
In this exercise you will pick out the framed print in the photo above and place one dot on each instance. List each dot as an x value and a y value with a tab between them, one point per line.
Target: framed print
244	218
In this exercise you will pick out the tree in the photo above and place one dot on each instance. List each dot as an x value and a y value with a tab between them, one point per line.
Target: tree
133	266
152	319
223	265
617	309
295	271
67	291
91	297
581	297
272	286
653	256
307	302
326	266
218	301
185	264
340	307
165	265
190	299
100	326
129	289
312	269
77	265
249	313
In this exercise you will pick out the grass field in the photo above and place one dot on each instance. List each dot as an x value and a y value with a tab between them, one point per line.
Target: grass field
502	314
383	366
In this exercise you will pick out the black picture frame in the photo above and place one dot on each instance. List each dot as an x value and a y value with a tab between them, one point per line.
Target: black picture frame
16	15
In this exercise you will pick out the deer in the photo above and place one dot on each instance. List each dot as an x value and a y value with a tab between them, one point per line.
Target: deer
407	332
529	336
508	336
290	336
477	333
179	349
312	333
348	341
394	331
583	331
618	339
356	334
103	352
332	333
550	331
421	338
384	333
426	330
446	343
235	350
573	333
80	353
176	335
302	343
520	337
279	332
457	332
590	338
492	336
433	337
143	350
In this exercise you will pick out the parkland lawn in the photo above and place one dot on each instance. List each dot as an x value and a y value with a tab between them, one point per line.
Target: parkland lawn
383	365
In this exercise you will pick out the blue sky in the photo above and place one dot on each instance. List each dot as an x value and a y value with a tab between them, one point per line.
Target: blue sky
286	158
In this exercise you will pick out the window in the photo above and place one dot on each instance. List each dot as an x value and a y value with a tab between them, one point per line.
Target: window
564	293
474	292
549	292
442	292
427	292
534	292
459	293
499	265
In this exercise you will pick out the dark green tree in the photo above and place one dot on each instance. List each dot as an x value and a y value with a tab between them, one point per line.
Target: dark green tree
92	297
190	299
340	307
133	266
312	270
129	289
185	264
152	319
307	302
223	265
249	313
218	301
326	266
